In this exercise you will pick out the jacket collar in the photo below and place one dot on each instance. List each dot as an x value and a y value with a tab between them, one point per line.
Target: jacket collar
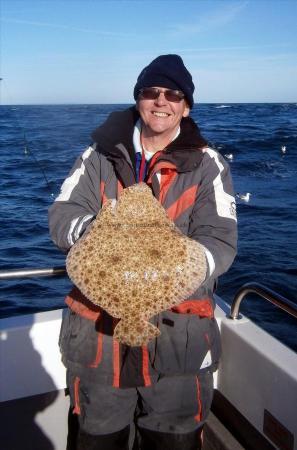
114	139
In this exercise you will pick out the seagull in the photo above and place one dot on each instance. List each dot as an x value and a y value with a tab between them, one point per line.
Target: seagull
284	149
229	156
244	197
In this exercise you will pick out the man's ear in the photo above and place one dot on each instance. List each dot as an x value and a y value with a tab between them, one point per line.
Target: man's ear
186	111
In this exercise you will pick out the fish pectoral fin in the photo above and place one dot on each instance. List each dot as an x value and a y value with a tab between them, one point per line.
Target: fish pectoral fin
135	333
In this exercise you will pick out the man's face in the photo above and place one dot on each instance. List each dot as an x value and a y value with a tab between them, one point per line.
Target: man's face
160	116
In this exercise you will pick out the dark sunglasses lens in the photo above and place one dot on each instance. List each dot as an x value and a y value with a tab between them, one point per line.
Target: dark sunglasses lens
174	96
149	93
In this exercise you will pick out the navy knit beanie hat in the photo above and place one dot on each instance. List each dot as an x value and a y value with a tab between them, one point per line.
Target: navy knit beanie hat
167	71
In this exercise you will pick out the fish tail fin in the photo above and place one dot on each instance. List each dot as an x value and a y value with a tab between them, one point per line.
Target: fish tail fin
134	333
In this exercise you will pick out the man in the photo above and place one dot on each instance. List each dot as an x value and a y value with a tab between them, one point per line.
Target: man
165	388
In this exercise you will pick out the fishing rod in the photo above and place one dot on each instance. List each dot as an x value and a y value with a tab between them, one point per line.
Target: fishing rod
29	151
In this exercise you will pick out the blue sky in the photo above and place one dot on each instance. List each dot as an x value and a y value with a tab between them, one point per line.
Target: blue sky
92	51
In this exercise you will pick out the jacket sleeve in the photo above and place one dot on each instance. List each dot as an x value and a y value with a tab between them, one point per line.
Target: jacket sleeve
78	202
213	222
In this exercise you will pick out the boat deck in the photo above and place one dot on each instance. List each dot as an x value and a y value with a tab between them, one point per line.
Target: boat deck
254	404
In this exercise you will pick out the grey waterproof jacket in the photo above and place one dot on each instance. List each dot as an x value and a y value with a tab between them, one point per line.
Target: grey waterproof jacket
193	183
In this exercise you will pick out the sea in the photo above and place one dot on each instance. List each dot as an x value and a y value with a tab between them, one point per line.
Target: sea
39	144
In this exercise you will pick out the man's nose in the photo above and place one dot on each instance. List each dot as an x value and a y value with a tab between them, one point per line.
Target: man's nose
160	100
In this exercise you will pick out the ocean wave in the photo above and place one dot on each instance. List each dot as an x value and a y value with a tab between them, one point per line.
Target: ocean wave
223	106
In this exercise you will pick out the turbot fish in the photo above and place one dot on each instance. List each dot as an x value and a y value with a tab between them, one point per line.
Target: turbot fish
134	263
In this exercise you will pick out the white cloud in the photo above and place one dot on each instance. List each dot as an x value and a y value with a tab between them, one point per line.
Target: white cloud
233	48
214	20
66	27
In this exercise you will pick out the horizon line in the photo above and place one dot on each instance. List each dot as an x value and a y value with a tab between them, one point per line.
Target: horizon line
132	104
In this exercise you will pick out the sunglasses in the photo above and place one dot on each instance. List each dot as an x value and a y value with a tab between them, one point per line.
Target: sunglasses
152	93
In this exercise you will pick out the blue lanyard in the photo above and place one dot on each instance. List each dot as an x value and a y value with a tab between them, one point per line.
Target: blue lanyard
139	159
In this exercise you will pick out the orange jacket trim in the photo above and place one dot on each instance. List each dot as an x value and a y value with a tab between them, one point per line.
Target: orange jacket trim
79	304
102	192
145	366
186	200
202	308
116	361
162	165
120	188
76	409
167	178
154	159
158	167
197	417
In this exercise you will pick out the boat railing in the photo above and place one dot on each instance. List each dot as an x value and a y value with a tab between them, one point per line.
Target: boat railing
248	288
28	273
268	294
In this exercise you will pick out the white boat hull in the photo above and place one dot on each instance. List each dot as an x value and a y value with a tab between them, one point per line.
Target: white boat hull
257	375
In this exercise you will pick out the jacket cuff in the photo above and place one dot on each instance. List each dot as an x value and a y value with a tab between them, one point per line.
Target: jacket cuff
77	227
210	263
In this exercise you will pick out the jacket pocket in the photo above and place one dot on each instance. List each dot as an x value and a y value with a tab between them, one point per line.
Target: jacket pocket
78	339
185	345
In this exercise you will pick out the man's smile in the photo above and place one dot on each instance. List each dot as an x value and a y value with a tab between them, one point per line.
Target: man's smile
161	114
